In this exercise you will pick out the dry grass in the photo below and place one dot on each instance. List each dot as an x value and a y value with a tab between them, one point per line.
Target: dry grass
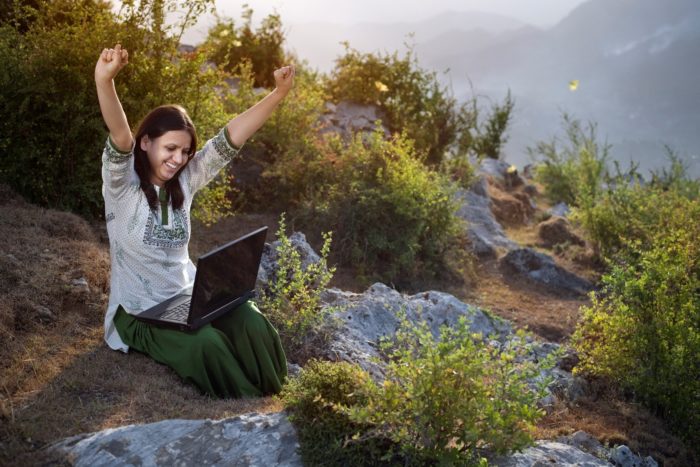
57	377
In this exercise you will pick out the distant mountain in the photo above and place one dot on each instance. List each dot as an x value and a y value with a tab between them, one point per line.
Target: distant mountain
319	42
636	62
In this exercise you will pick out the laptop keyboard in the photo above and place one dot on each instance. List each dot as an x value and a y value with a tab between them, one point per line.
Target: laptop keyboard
177	313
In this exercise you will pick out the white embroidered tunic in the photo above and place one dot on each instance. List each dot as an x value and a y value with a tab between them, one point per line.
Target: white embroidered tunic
150	260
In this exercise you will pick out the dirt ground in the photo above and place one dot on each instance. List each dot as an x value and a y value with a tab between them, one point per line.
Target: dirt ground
58	378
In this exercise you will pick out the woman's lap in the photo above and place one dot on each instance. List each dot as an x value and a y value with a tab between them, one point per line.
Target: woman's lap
236	355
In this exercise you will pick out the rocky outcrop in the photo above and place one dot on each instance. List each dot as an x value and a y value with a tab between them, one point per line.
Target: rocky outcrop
557	231
270	256
347	118
542	269
364	319
550	453
485	233
248	440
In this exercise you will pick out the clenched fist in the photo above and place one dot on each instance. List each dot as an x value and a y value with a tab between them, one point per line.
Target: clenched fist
111	61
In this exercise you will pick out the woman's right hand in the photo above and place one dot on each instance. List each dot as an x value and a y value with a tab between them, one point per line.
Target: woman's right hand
111	61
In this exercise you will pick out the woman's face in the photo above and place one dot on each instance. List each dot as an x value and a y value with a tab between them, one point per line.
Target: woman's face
167	154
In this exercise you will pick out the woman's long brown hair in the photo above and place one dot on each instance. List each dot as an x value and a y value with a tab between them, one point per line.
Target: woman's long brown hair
158	122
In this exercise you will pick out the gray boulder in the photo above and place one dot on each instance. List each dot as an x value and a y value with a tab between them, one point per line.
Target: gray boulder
247	440
560	209
500	171
348	118
545	453
364	319
270	256
542	269
485	233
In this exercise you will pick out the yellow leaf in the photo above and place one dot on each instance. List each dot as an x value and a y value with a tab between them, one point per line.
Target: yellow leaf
573	85
381	87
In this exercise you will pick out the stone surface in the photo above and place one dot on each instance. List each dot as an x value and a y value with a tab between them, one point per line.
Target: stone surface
623	456
365	318
247	440
560	209
556	231
348	118
485	233
541	268
501	172
268	262
546	453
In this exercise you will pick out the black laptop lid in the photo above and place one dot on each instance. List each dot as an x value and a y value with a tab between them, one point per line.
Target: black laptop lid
225	274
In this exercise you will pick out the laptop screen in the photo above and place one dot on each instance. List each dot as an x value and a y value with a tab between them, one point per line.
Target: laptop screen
227	273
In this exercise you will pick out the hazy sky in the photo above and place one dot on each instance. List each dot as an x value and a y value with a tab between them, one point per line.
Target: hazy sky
536	12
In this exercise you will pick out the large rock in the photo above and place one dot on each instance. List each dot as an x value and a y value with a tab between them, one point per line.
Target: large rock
347	118
501	172
542	269
483	230
270	257
550	453
247	440
556	231
364	319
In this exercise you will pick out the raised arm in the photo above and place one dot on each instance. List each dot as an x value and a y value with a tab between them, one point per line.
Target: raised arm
242	127
111	61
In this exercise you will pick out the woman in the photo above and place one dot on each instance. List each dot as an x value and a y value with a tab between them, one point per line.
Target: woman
148	184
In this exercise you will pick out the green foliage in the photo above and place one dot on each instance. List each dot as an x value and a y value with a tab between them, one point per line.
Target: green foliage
643	330
287	145
460	170
392	216
575	173
318	401
675	177
483	139
228	46
444	401
52	118
412	98
293	301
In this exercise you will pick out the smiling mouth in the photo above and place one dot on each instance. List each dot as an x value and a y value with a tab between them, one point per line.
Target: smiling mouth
171	166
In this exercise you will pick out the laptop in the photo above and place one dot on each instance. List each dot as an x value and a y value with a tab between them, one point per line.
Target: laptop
225	278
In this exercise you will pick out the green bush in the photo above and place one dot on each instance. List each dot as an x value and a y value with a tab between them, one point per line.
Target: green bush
574	174
392	216
445	401
318	401
643	330
411	97
228	46
442	403
483	139
293	301
52	120
286	147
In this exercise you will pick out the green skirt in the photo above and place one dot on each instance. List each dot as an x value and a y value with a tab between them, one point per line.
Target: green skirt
236	355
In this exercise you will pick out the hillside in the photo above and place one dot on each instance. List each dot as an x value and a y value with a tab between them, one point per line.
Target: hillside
55	360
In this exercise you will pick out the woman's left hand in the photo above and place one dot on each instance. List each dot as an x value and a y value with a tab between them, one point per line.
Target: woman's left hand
284	78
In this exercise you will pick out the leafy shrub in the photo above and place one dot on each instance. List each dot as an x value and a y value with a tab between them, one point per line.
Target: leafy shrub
643	330
412	98
293	301
392	216
286	146
228	46
441	403
575	173
52	119
483	139
319	400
